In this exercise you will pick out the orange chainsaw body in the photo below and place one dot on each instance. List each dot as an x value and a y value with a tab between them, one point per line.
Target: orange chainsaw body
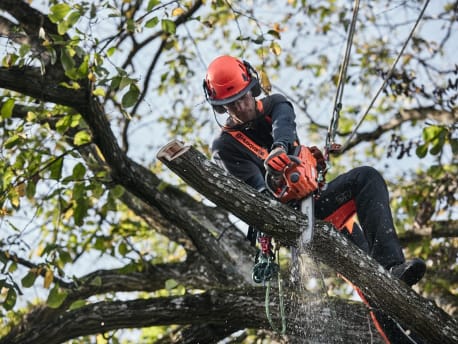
299	178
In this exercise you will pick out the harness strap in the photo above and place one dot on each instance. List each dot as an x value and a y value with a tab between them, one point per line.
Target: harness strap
253	147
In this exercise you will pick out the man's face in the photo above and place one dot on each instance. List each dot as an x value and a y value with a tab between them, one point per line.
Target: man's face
243	109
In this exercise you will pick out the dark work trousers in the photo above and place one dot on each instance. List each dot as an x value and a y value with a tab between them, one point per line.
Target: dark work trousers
376	236
367	188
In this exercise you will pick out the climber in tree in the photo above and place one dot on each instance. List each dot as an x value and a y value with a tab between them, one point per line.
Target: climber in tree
259	134
231	86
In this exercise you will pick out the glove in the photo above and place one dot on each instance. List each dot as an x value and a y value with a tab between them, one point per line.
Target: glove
277	160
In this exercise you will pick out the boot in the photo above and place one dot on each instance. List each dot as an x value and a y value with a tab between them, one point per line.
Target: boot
410	271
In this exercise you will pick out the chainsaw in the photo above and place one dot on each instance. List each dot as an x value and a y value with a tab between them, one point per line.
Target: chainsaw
295	185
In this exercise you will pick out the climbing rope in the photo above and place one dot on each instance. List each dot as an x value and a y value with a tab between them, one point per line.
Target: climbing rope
332	130
281	300
388	76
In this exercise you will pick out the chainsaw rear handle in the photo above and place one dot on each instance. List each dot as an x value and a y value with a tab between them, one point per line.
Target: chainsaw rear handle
297	180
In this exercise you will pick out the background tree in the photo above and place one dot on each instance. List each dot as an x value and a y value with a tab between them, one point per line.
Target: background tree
98	237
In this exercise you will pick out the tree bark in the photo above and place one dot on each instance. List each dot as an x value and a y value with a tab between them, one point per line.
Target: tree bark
284	223
231	309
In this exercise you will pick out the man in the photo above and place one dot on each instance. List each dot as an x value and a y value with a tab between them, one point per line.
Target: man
260	134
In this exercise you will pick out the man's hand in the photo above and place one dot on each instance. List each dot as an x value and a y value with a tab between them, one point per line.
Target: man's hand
277	160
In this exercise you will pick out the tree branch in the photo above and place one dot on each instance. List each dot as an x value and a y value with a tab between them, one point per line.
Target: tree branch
245	307
405	115
29	81
437	229
328	245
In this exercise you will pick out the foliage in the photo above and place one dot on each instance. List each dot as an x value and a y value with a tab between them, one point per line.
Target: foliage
62	208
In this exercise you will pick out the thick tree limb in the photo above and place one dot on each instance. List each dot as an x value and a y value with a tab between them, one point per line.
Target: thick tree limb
436	229
29	81
28	17
192	273
395	298
245	308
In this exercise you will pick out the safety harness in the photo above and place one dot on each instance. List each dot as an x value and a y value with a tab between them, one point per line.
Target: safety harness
265	267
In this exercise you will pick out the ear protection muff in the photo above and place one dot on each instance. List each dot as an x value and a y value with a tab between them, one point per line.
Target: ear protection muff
256	89
216	108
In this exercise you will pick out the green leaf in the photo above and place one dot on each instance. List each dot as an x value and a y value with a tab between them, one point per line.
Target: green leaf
65	257
10	299
117	191
111	51
438	144
80	211
30	189
29	279
11	141
431	132
83	69
56	169
170	284
63	124
7	108
96	282
73	18
152	22
81	138
99	91
31	116
130	24
77	304
75	121
12	267
79	171
79	191
58	12
274	33
422	150
168	26
152	4
24	50
130	97
122	249
62	27
67	61
56	297
125	82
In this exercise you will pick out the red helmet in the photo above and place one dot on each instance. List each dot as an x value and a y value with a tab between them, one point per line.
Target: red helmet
229	79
